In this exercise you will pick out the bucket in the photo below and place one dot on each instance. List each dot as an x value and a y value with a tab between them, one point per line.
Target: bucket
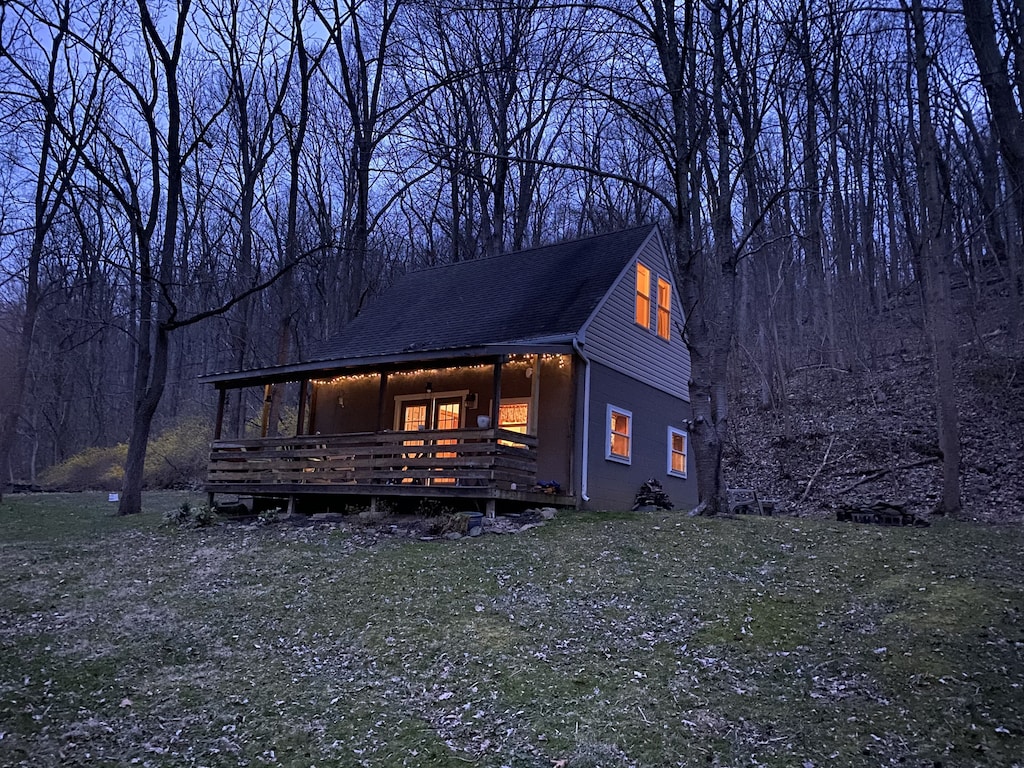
474	520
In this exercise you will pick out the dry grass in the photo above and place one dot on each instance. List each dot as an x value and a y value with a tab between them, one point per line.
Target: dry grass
597	640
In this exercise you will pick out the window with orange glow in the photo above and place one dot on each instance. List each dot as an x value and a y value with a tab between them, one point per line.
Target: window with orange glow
620	434
664	308
676	452
643	295
515	417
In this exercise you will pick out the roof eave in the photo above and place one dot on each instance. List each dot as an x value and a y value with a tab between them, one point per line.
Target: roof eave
396	361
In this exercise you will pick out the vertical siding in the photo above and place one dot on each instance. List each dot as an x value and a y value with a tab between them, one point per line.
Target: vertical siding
615	340
612	485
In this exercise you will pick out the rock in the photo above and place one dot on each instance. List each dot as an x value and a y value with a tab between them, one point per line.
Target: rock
327	517
453	536
548	513
475	531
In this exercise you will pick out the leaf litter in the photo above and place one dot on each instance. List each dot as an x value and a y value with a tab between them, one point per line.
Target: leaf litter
613	640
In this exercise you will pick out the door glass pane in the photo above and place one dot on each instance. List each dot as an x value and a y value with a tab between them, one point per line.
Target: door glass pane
414	416
446	416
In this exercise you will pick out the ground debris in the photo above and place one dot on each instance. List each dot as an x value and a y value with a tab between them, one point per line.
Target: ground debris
880	513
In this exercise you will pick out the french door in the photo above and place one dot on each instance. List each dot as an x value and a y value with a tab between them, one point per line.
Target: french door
434	413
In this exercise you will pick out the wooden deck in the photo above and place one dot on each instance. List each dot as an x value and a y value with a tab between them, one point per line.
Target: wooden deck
464	463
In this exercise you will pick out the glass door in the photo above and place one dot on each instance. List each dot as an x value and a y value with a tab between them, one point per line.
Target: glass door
447	413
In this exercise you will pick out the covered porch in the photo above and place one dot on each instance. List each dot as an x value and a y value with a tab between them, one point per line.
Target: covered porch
492	429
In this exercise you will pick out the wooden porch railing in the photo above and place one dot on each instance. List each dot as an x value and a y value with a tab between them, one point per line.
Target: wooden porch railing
480	459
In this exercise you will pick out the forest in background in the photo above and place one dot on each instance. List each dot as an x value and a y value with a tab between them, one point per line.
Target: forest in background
207	185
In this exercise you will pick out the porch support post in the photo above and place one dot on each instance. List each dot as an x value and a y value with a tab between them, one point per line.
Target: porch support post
268	396
496	402
491	506
380	400
218	427
300	419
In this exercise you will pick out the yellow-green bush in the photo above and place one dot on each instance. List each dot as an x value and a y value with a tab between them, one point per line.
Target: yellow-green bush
176	459
92	469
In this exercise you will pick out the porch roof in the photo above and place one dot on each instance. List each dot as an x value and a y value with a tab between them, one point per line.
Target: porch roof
394	362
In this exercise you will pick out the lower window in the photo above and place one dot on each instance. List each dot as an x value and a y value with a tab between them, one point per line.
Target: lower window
676	452
620	435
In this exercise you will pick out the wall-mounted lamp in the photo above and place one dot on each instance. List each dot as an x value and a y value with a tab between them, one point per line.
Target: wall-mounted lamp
430	387
341	401
471	400
529	373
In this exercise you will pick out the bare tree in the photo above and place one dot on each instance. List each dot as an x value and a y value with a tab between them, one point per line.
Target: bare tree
60	103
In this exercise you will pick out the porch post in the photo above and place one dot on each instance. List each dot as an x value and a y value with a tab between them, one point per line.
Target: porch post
268	396
218	427
380	400
496	402
300	419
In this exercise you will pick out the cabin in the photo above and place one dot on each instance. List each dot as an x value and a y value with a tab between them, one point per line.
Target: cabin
551	376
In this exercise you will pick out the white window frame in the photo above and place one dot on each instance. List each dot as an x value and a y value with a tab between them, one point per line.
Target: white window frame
613	409
665	308
672	432
646	324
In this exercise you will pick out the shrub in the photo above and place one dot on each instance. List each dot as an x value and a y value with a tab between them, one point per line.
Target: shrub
188	516
92	469
176	458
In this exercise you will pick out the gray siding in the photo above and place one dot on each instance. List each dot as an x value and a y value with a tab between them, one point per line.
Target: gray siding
613	338
612	485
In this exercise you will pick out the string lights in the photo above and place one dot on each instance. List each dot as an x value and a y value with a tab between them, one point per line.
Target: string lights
514	361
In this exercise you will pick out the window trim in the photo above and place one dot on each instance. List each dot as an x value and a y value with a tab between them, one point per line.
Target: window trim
665	309
608	454
639	296
672	432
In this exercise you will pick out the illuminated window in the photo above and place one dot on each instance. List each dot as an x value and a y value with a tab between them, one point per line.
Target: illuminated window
676	452
514	416
643	295
664	308
620	431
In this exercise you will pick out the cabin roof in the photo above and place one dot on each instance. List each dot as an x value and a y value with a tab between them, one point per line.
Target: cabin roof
526	301
541	294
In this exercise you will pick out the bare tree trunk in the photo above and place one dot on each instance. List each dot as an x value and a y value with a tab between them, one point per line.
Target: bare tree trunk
53	174
296	141
934	260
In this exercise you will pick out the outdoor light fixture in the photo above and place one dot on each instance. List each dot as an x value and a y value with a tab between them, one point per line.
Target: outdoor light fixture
430	387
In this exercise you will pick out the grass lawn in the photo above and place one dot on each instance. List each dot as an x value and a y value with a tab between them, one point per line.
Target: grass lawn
597	640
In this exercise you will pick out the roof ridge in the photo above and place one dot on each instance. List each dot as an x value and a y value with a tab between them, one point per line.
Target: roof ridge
507	254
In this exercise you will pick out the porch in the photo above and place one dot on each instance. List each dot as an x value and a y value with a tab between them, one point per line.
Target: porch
490	464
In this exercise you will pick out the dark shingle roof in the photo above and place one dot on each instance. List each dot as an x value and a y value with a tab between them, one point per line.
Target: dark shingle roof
536	294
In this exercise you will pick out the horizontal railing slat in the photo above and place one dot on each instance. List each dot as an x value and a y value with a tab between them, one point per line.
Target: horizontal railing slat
472	457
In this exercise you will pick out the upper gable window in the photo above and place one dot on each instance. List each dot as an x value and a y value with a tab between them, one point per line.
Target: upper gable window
664	308
643	295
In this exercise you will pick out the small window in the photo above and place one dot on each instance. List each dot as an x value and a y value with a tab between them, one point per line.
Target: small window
620	434
643	295
664	308
676	452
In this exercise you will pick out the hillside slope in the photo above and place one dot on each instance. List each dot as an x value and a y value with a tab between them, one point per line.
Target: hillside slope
867	433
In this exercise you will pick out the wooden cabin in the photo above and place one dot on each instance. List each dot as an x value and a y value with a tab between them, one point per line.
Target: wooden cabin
555	376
